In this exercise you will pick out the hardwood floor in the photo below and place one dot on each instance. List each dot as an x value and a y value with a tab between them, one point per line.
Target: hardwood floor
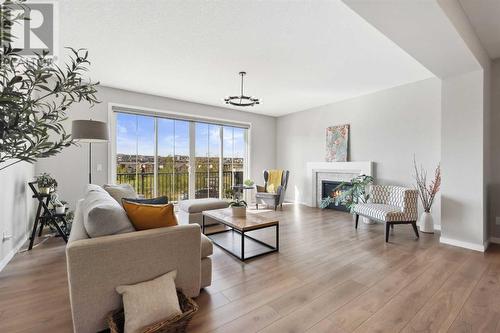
327	277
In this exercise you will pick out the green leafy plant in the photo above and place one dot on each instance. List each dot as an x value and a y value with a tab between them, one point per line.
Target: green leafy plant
236	200
35	94
350	194
248	182
45	180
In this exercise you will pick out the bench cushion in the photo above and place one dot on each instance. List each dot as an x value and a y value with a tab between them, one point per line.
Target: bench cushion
200	205
381	212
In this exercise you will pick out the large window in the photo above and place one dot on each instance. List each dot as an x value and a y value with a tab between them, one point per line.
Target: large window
207	155
178	158
234	150
173	159
135	141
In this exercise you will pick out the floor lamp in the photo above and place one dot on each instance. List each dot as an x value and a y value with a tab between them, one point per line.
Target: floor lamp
89	131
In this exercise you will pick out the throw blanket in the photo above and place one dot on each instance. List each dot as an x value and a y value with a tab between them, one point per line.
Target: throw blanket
274	180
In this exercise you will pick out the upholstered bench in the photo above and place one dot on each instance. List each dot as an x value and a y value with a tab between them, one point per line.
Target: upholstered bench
190	211
390	205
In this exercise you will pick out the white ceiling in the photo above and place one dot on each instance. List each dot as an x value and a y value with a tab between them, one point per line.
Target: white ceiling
298	54
484	16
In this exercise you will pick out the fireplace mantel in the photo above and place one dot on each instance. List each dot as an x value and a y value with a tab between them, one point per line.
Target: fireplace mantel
342	171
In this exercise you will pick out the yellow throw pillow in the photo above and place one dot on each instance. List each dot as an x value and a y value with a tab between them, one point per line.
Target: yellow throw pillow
270	188
144	216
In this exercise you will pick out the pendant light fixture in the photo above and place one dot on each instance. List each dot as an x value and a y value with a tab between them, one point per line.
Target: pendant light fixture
242	100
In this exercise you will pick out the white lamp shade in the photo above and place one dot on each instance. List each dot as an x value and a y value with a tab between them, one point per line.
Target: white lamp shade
89	131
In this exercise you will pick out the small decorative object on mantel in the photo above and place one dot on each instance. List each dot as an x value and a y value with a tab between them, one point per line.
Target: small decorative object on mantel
45	183
350	194
337	143
427	193
237	205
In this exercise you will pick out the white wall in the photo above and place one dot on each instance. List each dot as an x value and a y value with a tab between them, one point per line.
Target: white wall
70	168
459	62
16	209
387	127
462	140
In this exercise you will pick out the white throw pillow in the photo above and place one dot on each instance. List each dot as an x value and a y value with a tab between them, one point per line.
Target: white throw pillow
120	191
149	302
102	215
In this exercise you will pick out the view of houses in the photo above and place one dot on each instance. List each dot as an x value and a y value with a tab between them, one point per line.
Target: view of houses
173	175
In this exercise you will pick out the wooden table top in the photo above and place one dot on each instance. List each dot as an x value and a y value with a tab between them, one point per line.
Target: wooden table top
249	222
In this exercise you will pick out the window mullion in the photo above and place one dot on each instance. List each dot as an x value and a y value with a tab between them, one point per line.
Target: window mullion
155	169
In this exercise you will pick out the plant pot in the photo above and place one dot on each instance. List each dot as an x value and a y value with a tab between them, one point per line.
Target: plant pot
426	223
44	190
239	211
60	209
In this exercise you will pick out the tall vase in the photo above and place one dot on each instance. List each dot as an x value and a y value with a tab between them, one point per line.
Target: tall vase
366	220
426	223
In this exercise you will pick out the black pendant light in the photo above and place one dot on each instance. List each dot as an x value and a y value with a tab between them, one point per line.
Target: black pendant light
242	100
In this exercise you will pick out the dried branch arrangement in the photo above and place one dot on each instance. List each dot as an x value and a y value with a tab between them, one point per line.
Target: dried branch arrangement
427	192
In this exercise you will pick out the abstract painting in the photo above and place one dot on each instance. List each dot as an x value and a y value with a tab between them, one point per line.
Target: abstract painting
337	140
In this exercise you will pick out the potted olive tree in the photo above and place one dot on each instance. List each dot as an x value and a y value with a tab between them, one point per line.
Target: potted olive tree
36	93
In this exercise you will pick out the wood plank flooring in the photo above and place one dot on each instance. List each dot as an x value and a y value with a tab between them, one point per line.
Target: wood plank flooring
328	277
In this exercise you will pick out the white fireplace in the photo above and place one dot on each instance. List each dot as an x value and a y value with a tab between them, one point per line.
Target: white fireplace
317	172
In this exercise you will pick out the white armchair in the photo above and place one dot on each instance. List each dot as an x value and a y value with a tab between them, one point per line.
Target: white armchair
391	205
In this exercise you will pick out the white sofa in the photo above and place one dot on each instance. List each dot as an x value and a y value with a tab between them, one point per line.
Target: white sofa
191	211
96	266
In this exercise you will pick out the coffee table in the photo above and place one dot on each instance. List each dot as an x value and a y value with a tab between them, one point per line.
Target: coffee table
240	226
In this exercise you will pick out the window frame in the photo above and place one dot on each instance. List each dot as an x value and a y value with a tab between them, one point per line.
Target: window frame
114	108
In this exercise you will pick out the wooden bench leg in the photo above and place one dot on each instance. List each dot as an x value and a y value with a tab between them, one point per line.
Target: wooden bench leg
387	228
414	225
357	219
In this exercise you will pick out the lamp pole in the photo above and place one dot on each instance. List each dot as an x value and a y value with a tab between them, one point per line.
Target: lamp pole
90	162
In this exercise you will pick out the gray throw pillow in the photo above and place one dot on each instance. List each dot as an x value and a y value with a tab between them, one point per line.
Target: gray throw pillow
102	215
120	191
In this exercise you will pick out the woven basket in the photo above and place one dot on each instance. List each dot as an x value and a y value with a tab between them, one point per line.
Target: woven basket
176	324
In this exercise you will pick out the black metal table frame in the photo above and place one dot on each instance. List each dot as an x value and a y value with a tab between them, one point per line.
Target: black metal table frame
243	235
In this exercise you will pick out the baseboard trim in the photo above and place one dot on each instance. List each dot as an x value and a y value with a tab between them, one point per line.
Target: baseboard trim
466	245
12	253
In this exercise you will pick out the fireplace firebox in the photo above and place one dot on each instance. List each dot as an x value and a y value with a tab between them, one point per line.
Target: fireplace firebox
328	189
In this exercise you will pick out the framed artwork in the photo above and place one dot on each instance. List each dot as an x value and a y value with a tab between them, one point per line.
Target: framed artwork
337	143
